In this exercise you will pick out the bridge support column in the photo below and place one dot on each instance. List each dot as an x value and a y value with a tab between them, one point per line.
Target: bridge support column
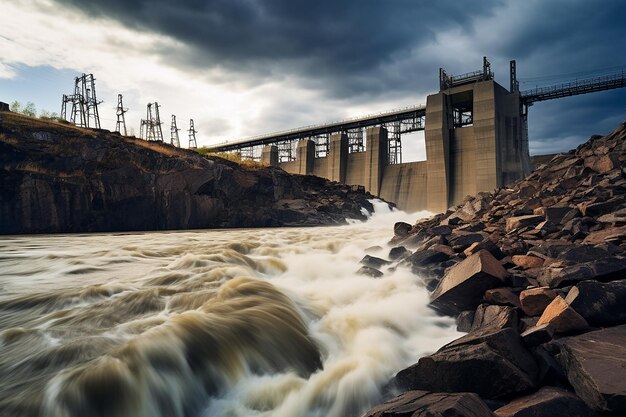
338	157
269	155
305	156
437	136
375	158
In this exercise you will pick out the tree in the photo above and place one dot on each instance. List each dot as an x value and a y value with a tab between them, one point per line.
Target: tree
16	107
30	109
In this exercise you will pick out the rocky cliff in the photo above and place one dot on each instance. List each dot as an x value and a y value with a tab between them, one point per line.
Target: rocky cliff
536	274
61	178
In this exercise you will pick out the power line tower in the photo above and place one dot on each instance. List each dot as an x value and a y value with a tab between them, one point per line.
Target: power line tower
174	139
120	126
84	102
192	135
151	126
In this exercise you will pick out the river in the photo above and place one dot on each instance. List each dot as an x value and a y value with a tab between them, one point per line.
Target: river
262	322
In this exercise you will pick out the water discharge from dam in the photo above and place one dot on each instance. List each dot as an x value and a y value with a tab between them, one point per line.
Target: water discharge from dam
263	322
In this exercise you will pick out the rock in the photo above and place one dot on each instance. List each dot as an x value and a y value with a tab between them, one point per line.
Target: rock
538	335
562	317
463	285
370	272
535	300
430	404
421	261
374	262
606	269
402	229
552	214
598	209
525	261
441	230
373	249
494	316
595	365
600	164
493	364
616	217
399	252
514	223
502	296
464	320
461	241
487	245
601	304
611	234
547	402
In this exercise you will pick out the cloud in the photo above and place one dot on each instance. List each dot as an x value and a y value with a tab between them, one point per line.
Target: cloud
244	67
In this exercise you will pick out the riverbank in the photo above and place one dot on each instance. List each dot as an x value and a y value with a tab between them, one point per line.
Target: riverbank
59	178
536	275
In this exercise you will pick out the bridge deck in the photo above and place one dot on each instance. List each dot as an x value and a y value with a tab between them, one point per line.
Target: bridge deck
413	112
591	85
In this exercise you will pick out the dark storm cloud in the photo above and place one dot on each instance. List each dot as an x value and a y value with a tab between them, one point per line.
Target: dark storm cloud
321	41
365	51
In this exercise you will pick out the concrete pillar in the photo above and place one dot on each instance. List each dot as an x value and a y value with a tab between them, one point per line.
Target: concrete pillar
487	137
338	157
375	158
305	156
269	155
437	136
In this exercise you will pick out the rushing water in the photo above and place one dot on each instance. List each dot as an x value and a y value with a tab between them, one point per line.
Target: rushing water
264	322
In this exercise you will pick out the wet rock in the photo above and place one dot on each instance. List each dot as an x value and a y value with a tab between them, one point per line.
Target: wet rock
601	304
535	300
464	320
538	335
460	241
495	317
562	317
402	229
399	252
423	260
547	402
441	230
374	262
505	366
431	404
463	285
370	272
595	365
514	223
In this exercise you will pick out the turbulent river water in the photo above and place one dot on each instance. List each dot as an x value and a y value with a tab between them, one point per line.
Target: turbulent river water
263	322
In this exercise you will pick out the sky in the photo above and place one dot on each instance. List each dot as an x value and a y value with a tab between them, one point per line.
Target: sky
241	68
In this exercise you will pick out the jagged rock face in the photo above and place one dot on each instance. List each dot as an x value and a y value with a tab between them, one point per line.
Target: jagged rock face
58	178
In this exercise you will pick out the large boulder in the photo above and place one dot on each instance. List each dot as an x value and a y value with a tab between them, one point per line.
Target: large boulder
495	317
601	304
432	404
547	402
595	365
491	363
463	285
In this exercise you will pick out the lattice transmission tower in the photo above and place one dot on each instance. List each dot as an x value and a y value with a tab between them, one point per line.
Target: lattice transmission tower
174	139
84	112
151	126
192	135
120	126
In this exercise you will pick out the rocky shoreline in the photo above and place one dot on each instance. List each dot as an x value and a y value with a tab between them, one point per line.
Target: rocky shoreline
536	275
58	178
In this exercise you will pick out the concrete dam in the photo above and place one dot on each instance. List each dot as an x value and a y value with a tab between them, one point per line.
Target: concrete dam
475	133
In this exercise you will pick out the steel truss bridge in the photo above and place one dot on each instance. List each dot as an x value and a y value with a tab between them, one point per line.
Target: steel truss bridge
410	119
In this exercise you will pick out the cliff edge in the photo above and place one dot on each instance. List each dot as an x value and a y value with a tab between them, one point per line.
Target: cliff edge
59	178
